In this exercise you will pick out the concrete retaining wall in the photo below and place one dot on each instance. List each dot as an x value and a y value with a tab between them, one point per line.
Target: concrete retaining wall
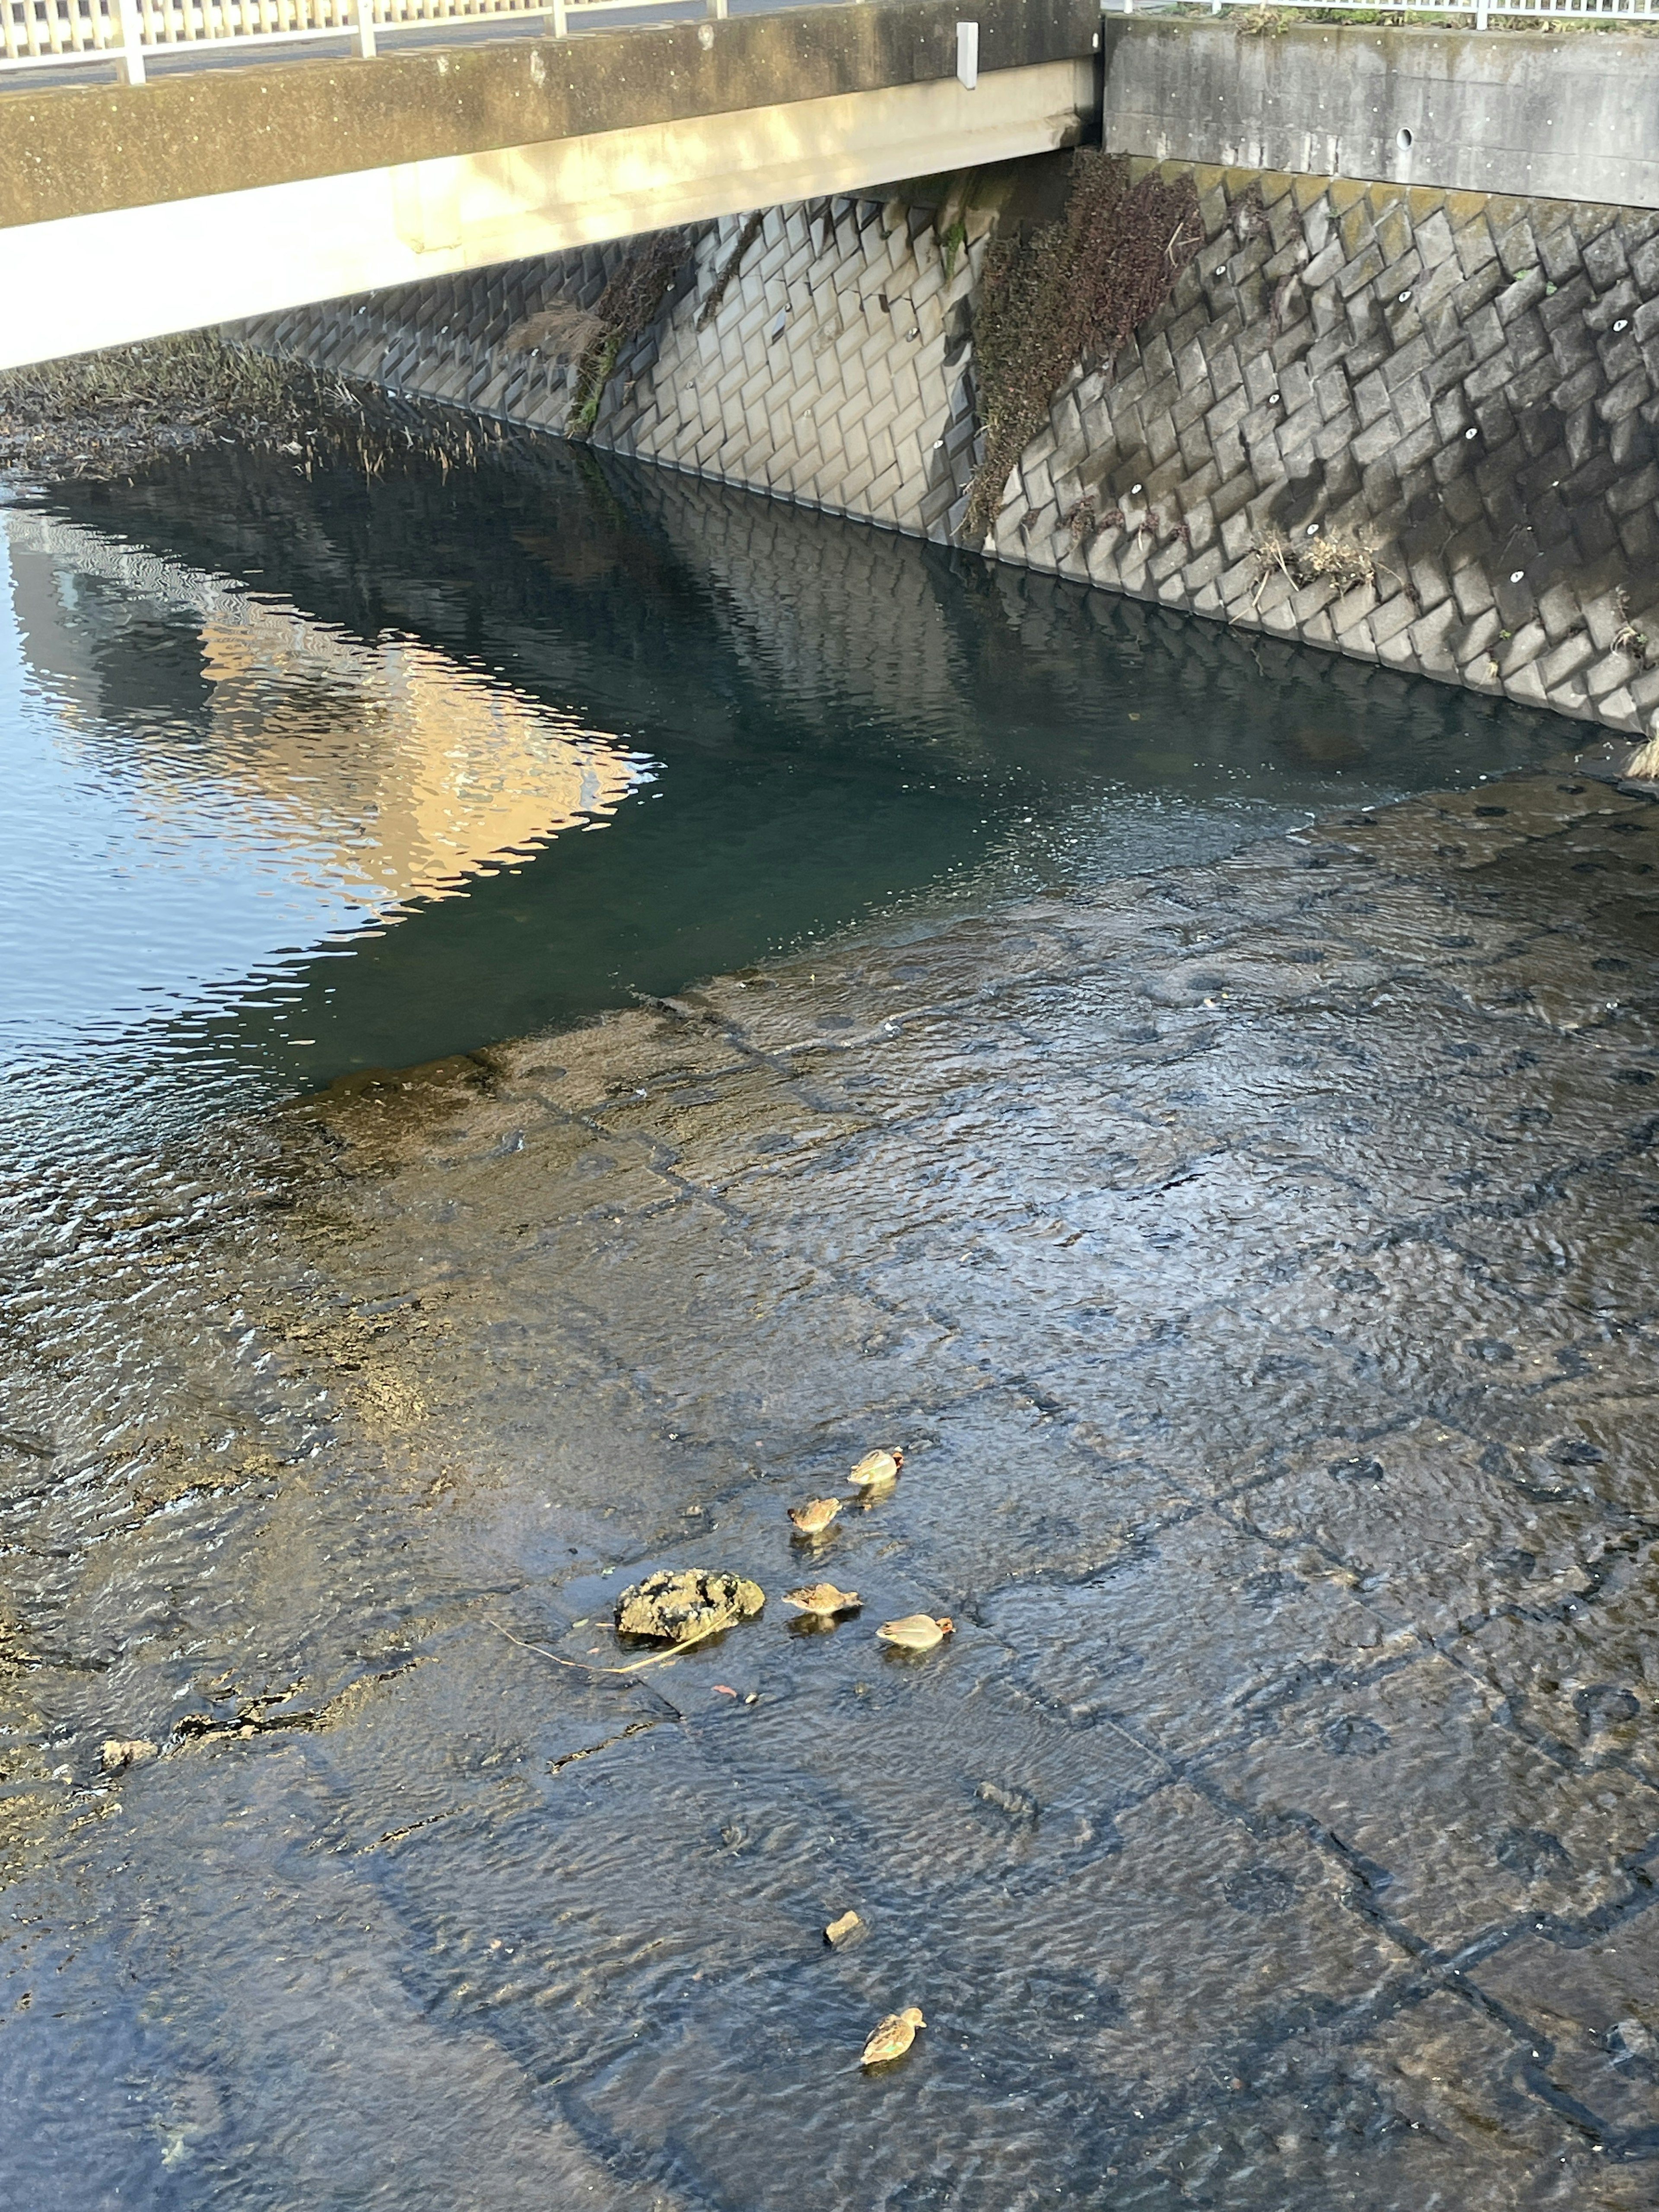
1572	116
1455	391
835	371
1460	387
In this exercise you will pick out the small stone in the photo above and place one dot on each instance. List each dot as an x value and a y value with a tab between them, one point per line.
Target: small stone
121	1752
839	1930
672	1608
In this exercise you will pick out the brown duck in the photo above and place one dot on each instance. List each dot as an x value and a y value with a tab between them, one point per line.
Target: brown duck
892	2037
824	1600
814	1516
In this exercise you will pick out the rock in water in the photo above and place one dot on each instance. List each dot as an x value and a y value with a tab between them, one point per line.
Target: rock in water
121	1752
673	1608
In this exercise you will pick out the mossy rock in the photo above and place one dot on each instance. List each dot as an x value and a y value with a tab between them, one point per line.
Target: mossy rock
672	1608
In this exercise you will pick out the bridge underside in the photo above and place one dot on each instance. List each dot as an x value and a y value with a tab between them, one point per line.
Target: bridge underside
225	194
128	273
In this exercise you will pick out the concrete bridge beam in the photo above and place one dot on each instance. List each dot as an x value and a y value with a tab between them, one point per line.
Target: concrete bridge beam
125	214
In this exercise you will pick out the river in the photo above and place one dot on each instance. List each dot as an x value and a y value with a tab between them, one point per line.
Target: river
544	1013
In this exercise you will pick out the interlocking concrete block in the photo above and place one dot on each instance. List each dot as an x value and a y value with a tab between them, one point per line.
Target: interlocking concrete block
1375	394
1395	615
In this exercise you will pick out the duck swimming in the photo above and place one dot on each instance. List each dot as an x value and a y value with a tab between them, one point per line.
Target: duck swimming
917	1632
878	1468
814	1516
823	1599
892	2037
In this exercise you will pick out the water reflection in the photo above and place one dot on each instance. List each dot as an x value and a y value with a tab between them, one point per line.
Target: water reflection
262	730
208	783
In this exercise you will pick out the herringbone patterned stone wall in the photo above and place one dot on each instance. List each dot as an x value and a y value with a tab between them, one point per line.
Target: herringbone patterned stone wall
1415	426
833	370
1455	393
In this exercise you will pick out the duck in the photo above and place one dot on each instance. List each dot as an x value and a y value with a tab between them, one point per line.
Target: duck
814	1516
823	1599
892	2037
878	1468
917	1632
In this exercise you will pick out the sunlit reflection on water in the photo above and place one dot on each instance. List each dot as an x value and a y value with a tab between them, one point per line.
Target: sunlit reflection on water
207	786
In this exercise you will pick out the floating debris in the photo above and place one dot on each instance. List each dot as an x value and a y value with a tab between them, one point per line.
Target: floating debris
878	1468
917	1632
839	1930
814	1516
822	1600
891	2037
676	1608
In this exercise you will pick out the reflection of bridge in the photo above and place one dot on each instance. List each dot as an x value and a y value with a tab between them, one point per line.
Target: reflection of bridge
213	196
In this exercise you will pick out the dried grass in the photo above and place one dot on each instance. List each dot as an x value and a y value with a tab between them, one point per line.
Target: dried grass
1350	564
626	309
105	416
730	267
1068	296
1304	560
1628	638
562	332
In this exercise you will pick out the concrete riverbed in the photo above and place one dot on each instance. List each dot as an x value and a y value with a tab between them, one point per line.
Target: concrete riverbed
1256	1262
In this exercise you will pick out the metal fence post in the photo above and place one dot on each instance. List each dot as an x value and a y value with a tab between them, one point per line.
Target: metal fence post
132	42
558	22
363	15
1480	14
717	10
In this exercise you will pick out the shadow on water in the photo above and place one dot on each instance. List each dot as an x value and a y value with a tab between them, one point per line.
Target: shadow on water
836	722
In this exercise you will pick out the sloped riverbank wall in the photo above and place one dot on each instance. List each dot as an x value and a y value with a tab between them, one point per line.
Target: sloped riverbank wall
1413	425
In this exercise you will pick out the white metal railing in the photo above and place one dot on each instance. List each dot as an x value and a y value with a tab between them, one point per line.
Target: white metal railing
1482	13
56	34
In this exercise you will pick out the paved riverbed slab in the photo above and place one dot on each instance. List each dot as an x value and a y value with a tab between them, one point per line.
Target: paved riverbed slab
1275	1827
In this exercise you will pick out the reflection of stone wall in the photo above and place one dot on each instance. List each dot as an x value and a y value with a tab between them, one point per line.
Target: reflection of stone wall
1453	394
820	613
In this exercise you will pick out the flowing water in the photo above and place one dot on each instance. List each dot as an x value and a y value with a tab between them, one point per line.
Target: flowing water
952	1009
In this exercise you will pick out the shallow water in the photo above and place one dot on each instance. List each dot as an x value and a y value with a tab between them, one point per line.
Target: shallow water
1251	1239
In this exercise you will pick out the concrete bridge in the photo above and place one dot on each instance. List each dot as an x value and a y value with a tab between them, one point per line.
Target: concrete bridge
130	211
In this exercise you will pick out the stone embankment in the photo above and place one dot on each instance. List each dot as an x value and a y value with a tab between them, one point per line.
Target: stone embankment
1413	423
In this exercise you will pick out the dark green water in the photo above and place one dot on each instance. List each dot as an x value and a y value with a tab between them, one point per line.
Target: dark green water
227	693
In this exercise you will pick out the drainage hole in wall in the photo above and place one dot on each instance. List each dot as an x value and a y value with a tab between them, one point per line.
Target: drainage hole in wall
1623	324
1471	432
1517	576
1133	489
1404	296
1313	530
1404	142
